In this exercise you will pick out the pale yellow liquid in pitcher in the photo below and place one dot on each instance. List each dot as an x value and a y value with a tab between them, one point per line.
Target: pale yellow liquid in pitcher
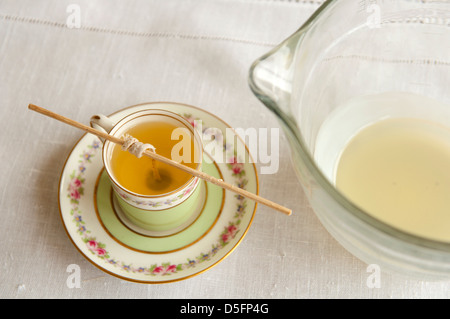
398	170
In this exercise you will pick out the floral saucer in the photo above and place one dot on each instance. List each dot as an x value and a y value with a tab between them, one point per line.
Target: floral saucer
98	229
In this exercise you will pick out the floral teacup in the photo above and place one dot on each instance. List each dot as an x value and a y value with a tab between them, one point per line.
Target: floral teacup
159	212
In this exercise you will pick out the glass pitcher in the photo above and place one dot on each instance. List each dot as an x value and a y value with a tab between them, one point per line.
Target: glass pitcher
350	49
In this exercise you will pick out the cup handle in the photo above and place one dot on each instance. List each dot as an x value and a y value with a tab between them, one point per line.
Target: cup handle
102	123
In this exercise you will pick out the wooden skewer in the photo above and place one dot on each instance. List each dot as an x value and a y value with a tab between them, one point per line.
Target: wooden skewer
163	159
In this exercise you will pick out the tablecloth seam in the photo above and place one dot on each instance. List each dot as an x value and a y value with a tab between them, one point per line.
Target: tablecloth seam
186	36
423	61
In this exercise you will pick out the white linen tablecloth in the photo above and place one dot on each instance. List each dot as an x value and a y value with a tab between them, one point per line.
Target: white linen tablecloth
196	52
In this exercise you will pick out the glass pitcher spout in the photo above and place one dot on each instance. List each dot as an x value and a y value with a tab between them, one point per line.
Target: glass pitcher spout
271	78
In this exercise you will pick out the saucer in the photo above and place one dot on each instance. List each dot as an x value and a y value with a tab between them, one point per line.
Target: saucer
105	236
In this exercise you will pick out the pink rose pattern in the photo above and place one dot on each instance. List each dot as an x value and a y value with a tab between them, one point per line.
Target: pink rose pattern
96	248
229	233
236	166
76	191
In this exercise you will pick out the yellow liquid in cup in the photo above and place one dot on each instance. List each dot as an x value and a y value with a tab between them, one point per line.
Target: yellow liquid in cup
136	174
398	170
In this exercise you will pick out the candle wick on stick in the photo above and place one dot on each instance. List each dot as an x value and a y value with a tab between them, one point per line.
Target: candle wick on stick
137	148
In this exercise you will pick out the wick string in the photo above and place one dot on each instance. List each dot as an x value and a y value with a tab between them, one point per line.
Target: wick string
135	147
